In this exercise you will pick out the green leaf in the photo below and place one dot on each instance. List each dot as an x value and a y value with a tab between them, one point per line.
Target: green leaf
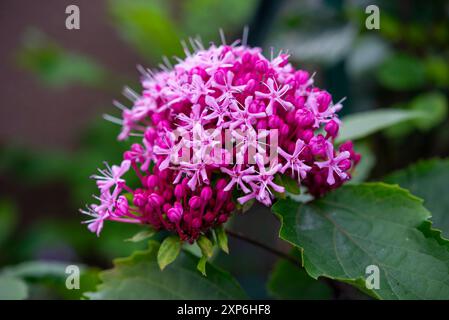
12	288
7	219
291	282
402	72
147	26
169	250
377	224
362	124
139	277
222	238
433	107
55	66
427	180
38	269
142	235
206	246
363	169
290	184
201	266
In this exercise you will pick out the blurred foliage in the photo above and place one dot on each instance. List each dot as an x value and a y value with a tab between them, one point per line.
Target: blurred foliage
55	66
155	27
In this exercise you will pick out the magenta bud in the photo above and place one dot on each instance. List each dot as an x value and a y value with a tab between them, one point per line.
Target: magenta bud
179	191
301	77
121	205
323	100
187	218
196	223
246	58
221	184
261	66
209	217
332	128
155	200
166	207
306	135
152	181
230	206
195	202
128	155
139	199
284	129
206	193
347	146
222	218
222	195
305	118
150	135
344	164
168	194
174	214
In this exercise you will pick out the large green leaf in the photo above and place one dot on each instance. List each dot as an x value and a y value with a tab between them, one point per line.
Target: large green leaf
139	277
427	180
370	224
402	72
289	281
362	124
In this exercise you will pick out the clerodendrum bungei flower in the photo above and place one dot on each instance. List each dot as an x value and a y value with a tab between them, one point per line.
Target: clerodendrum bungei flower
215	129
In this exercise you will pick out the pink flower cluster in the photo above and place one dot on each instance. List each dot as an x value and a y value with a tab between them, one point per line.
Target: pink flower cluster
190	106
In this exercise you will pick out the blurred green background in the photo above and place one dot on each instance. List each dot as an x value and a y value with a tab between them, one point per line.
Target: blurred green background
56	83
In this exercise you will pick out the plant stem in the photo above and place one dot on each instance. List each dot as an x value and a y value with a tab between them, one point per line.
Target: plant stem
274	251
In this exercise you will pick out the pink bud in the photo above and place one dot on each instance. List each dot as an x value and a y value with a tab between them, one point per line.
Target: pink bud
155	200
121	205
196	223
209	217
139	199
222	218
179	191
152	181
206	193
261	66
221	184
331	128
195	202
344	164
301	77
323	100
175	213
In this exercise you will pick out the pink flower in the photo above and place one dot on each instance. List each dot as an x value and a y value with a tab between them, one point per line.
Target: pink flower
207	124
294	162
275	94
112	176
334	164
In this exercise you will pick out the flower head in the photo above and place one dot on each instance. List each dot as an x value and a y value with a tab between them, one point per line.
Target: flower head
216	129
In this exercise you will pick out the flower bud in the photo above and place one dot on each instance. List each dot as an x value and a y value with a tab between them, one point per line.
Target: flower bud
331	128
139	199
180	191
155	200
206	194
195	202
196	223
